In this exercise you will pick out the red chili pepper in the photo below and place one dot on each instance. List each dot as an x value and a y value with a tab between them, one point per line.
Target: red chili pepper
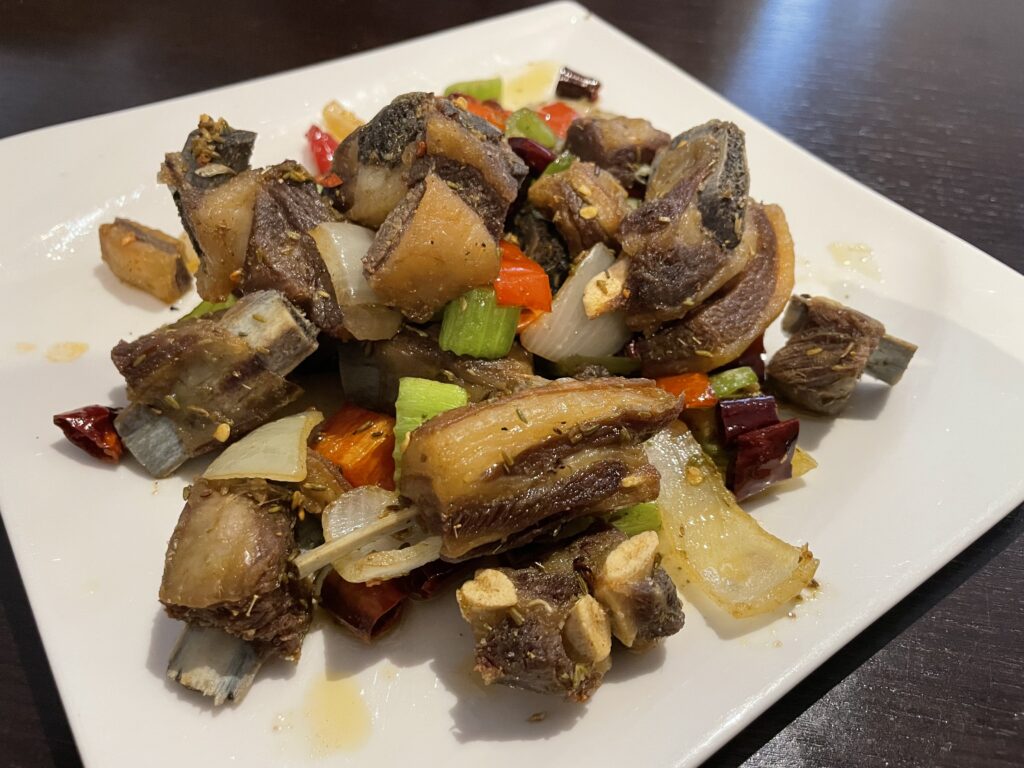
328	180
522	282
92	429
694	388
559	117
322	145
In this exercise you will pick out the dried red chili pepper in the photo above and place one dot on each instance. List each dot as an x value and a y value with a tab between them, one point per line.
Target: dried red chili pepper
92	429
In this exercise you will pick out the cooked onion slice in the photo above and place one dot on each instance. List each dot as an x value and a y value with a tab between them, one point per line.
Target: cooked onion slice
566	331
342	246
707	539
275	451
391	563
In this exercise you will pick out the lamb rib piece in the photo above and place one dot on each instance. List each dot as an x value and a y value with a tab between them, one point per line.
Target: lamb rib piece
199	382
829	348
620	145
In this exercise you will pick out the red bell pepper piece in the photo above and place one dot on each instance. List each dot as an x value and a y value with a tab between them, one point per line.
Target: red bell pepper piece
522	282
322	145
694	388
490	111
559	117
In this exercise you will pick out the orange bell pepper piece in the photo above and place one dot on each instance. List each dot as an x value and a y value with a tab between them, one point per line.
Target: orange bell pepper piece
360	443
694	388
522	282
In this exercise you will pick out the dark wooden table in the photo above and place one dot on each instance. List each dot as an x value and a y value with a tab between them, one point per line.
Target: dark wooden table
923	100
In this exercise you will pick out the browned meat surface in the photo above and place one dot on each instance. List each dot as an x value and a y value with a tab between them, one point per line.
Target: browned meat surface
721	328
680	246
418	134
586	204
432	248
198	383
548	627
484	474
227	565
830	346
213	190
539	240
281	255
623	146
145	258
716	153
370	372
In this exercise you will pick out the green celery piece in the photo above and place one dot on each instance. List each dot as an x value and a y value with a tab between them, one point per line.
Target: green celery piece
617	366
528	124
484	90
637	519
475	325
736	382
419	400
560	163
209	307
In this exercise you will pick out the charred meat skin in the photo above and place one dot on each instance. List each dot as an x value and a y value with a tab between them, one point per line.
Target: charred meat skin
215	155
484	474
418	134
830	348
687	240
720	329
547	627
584	202
281	255
718	149
370	371
620	145
227	566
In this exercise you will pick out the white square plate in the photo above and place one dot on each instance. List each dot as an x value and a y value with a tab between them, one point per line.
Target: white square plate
900	489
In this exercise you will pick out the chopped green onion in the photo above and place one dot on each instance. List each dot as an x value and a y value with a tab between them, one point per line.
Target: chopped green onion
560	163
735	382
615	365
419	400
528	124
475	325
484	90
209	307
637	519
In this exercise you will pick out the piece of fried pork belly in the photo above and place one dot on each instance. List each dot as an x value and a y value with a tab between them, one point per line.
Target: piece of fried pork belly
486	476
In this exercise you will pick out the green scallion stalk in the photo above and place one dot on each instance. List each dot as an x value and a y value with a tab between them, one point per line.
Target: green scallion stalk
419	400
484	90
530	125
475	325
560	163
736	382
209	307
637	519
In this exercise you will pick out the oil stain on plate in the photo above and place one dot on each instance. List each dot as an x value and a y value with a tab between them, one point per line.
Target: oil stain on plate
66	351
334	719
856	256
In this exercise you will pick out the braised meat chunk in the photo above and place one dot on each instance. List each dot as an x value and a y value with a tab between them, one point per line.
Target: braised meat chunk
548	627
488	475
200	382
720	329
227	565
623	146
829	348
584	202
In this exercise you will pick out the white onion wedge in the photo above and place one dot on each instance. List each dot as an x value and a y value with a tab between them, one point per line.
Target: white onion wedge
566	331
342	246
275	451
707	539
